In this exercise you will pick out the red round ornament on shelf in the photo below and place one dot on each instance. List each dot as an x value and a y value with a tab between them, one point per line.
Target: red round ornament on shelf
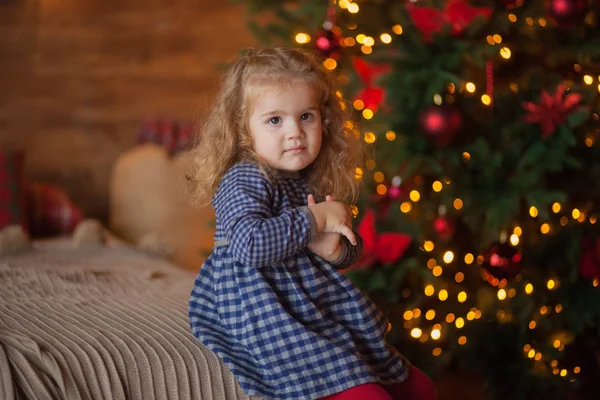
567	13
441	123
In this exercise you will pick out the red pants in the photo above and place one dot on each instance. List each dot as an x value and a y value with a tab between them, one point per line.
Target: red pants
418	386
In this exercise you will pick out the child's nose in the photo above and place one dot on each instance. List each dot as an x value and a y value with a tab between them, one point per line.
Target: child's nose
295	131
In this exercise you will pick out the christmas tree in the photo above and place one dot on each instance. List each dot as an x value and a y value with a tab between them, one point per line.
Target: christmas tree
481	200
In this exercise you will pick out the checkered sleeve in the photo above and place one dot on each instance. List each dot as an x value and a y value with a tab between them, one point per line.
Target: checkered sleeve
256	237
350	253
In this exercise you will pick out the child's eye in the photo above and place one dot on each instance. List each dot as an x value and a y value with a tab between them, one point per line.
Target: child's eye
274	120
306	117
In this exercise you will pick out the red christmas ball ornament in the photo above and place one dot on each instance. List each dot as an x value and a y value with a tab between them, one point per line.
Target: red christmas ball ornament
567	13
443	227
589	259
441	123
501	262
394	192
328	43
511	4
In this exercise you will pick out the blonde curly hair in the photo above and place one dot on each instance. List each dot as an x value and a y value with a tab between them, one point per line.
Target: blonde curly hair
225	139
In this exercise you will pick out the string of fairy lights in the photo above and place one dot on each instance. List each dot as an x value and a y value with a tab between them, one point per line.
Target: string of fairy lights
413	317
368	42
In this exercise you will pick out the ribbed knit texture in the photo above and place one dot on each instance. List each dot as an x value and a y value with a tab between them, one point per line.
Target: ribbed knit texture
108	323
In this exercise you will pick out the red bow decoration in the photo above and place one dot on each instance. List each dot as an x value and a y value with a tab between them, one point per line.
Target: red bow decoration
457	13
552	110
370	95
385	248
589	262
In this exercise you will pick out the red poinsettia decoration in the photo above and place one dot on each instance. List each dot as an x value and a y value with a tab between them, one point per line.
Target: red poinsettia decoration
457	13
370	95
552	110
385	248
589	262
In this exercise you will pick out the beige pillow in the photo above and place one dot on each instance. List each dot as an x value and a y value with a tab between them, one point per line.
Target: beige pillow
150	208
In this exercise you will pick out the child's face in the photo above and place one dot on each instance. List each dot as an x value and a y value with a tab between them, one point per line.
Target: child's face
285	125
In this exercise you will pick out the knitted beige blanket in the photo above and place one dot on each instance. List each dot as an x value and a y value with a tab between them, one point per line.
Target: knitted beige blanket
107	323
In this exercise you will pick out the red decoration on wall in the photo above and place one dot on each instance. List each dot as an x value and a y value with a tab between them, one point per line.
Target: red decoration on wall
457	13
385	248
370	95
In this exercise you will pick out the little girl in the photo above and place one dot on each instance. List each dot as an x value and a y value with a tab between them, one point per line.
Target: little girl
270	300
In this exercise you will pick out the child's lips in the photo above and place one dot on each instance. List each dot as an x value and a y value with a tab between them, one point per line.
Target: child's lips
296	150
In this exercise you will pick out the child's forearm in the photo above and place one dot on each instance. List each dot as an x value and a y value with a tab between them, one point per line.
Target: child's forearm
257	242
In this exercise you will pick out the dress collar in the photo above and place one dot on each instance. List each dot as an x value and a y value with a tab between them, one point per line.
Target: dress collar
288	174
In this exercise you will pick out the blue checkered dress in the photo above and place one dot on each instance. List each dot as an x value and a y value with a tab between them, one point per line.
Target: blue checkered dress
286	322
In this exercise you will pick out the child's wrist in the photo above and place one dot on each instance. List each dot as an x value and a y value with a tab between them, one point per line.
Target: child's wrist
335	256
319	220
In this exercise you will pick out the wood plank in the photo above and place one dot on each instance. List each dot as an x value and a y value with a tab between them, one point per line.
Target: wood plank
78	78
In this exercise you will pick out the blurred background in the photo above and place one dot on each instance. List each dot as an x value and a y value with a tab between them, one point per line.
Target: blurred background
79	80
480	203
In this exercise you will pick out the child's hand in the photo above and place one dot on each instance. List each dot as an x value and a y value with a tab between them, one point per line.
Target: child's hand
325	245
333	217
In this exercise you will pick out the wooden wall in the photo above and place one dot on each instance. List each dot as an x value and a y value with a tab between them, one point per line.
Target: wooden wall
78	76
